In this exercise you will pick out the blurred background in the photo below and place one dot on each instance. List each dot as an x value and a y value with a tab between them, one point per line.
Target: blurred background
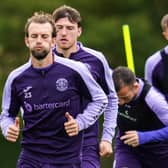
102	30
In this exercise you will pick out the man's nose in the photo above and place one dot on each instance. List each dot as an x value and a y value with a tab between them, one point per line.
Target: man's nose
64	31
39	39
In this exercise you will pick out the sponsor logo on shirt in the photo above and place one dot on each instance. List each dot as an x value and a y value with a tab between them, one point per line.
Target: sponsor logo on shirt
126	115
28	107
46	106
61	84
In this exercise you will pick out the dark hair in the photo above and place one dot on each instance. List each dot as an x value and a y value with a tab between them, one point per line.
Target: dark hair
123	76
66	11
40	17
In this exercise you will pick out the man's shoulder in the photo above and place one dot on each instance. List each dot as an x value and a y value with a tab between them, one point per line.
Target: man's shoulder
19	70
71	64
157	55
92	51
154	58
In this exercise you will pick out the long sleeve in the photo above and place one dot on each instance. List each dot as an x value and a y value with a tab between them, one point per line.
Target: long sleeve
103	74
98	101
6	118
10	103
153	136
159	105
110	114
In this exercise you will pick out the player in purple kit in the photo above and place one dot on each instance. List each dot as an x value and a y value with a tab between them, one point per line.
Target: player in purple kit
50	91
156	66
156	73
141	108
156	70
68	26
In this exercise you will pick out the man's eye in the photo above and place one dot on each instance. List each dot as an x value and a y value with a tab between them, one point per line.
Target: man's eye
33	36
58	27
70	27
45	36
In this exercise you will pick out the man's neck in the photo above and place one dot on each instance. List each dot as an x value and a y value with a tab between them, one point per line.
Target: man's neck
67	52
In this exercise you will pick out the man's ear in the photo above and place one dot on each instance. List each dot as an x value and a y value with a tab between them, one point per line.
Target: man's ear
53	41
79	31
26	41
136	85
165	34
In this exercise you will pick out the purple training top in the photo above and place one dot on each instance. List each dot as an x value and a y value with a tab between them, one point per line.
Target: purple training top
45	95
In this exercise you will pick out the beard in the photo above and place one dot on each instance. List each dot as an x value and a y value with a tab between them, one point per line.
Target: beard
39	55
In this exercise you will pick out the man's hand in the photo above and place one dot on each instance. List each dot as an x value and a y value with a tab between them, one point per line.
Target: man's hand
105	149
13	131
130	138
71	126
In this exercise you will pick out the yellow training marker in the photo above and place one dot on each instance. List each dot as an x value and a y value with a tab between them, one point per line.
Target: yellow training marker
128	47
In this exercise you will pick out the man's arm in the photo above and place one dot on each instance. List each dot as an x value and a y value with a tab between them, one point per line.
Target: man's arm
148	70
153	136
150	65
110	114
88	88
157	102
136	138
9	123
98	102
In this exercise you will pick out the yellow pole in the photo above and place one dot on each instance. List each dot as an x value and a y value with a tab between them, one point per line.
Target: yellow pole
128	47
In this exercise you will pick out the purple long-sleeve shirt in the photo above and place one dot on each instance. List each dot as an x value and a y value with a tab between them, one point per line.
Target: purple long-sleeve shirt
159	105
147	111
45	95
98	66
154	73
